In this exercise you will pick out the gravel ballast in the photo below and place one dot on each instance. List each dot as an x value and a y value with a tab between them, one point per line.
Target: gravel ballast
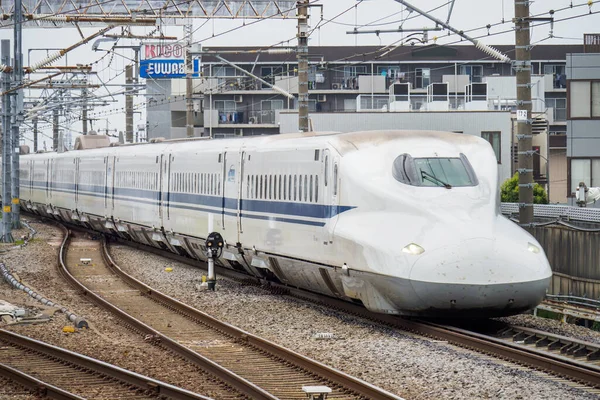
410	366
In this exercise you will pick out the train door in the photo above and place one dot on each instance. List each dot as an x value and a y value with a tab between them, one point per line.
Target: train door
230	211
330	193
77	160
161	169
241	191
49	179
112	175
165	184
31	163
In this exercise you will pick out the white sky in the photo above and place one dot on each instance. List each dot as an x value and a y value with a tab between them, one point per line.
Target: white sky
366	15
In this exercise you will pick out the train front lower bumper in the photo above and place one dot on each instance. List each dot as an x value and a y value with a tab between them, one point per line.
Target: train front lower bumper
394	295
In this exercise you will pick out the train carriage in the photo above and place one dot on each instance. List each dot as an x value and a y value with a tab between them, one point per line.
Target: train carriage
406	222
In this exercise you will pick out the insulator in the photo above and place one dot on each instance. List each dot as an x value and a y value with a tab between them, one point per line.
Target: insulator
49	60
51	18
279	51
491	51
4	67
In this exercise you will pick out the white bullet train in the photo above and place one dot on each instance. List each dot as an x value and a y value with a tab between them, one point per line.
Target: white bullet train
405	222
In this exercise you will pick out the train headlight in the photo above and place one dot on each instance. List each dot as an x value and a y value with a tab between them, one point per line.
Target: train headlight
413	248
533	248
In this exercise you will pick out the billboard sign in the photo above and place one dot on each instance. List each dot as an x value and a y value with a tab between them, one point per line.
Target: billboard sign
165	61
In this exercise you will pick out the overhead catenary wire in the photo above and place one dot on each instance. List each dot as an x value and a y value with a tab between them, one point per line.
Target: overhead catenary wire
358	63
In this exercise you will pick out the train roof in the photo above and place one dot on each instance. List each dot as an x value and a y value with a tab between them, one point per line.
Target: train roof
343	142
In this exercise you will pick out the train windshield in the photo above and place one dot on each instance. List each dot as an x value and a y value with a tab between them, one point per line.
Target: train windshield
435	172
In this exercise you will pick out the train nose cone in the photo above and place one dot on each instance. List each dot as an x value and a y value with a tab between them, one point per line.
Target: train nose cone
481	277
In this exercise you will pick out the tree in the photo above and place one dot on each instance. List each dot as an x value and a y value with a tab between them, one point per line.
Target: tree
509	191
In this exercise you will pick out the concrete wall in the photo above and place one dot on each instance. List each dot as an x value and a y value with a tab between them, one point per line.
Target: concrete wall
158	109
470	123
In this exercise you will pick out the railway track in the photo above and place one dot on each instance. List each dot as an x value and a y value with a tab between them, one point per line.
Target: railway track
49	371
571	359
253	366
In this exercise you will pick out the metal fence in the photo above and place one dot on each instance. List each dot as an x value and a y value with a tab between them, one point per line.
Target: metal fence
556	212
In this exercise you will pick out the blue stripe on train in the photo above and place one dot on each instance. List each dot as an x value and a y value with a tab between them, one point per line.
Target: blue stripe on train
198	202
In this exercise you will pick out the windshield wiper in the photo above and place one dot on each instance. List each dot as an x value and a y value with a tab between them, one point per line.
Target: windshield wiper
433	179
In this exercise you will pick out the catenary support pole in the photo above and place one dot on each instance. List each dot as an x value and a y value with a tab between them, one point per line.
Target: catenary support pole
84	111
6	147
35	134
129	105
302	56
189	83
17	112
55	129
522	66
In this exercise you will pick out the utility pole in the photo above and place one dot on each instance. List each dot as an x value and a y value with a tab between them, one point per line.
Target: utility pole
189	83
522	66
302	55
84	111
18	112
55	129
6	147
129	104
35	134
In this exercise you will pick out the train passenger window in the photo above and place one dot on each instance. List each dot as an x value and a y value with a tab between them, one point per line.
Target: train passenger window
260	192
335	179
326	173
316	188
284	187
289	187
248	187
266	188
256	195
219	185
279	192
295	187
305	187
317	155
270	186
300	189
310	198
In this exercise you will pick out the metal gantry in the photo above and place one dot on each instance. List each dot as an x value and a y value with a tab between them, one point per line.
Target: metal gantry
166	12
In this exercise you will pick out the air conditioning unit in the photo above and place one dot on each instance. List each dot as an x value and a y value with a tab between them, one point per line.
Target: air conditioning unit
238	132
335	86
238	98
321	98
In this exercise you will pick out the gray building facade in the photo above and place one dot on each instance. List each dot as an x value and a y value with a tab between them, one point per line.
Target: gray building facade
583	122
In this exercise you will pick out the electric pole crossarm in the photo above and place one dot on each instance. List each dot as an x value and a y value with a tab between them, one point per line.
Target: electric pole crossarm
481	46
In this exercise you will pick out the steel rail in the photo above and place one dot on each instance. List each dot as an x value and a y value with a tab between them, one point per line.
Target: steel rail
228	377
37	387
554	364
142	382
347	381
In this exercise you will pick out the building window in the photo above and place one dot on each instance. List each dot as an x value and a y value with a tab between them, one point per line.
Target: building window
558	75
268	109
475	72
422	78
586	170
494	139
269	74
584	99
559	107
